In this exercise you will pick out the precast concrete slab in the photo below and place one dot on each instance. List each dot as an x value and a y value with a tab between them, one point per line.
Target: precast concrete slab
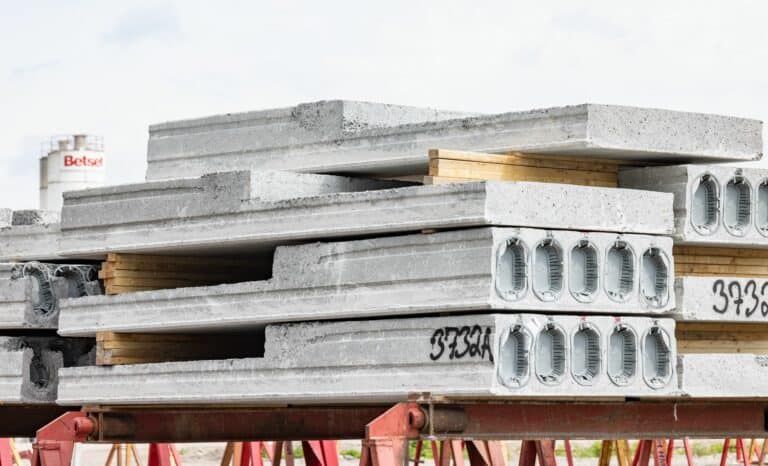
355	137
389	360
30	292
474	269
32	235
218	212
714	375
721	299
714	205
6	218
29	366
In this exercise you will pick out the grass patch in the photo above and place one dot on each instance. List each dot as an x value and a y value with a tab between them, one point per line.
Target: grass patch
350	453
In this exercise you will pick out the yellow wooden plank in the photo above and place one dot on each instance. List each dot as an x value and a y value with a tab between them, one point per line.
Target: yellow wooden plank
531	160
720	260
730	327
464	169
716	251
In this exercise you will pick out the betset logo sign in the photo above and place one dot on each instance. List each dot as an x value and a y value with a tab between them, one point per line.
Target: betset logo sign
83	161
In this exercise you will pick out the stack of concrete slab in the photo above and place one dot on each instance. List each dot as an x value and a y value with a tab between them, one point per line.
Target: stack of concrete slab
558	290
30	351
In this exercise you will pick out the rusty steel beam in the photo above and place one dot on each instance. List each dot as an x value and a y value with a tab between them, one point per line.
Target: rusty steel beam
486	421
591	420
211	425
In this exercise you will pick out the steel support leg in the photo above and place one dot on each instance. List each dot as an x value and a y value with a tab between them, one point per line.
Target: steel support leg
6	453
163	454
386	437
485	453
55	441
321	453
569	453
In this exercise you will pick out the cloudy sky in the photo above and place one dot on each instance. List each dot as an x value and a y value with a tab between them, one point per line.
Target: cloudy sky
112	68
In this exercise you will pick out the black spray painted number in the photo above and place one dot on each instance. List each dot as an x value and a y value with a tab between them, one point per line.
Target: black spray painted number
460	342
735	299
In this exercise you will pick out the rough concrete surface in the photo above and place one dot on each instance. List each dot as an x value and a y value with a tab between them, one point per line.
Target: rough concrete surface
714	205
347	137
524	355
218	213
32	235
29	366
30	292
473	269
721	299
724	375
6	218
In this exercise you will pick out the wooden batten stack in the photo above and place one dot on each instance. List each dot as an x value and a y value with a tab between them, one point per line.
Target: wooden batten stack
449	166
123	273
718	261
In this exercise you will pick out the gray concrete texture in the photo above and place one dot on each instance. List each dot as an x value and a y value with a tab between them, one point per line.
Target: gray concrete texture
714	205
219	213
29	366
30	292
473	269
32	235
730	375
479	356
721	299
6	218
359	137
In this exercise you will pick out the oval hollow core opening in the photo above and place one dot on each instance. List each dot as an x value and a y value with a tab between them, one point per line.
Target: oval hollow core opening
511	273
738	205
75	281
550	355
583	271
514	360
761	219
705	205
657	364
38	372
622	355
44	301
619	273
548	270
654	283
586	354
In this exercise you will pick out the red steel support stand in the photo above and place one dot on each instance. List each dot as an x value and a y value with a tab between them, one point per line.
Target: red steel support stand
320	453
54	442
646	448
741	453
162	454
686	446
6	454
386	437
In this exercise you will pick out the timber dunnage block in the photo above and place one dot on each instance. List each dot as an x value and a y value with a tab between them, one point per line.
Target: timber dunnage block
132	348
124	273
458	165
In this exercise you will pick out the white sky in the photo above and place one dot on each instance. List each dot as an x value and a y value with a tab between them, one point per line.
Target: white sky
112	68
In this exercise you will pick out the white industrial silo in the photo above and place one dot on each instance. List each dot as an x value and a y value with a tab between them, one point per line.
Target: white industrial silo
70	163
